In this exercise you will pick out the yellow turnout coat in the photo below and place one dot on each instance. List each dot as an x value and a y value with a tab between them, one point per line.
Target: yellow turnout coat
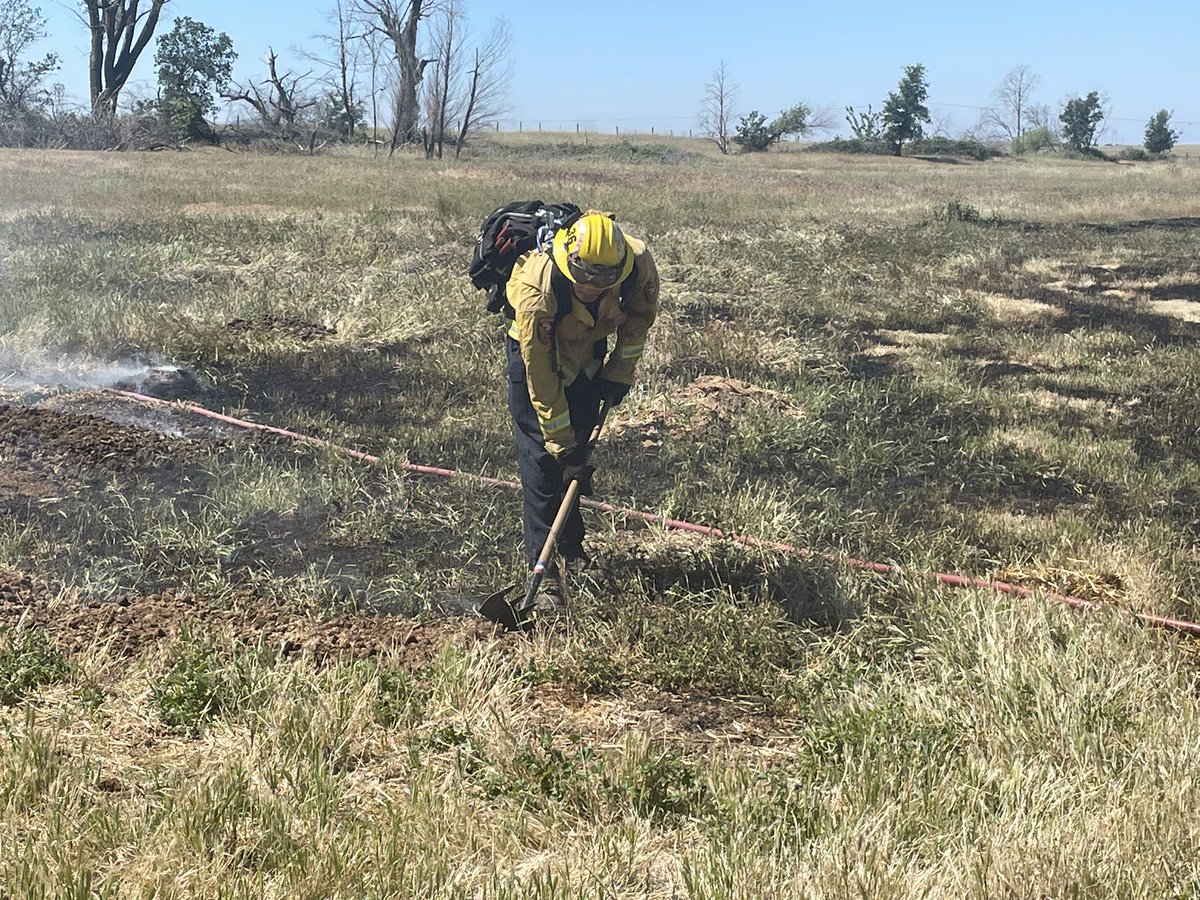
556	353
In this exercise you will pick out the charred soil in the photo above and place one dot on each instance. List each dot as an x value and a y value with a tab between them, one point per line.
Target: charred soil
53	456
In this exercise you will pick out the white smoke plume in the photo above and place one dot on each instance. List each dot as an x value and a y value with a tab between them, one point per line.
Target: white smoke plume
23	369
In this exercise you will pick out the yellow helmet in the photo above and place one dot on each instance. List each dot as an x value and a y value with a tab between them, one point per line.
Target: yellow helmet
594	251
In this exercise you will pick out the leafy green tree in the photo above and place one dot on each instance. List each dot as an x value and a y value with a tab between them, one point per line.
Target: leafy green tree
904	111
194	62
1035	140
1160	137
864	126
1081	117
338	115
755	135
792	121
22	26
752	134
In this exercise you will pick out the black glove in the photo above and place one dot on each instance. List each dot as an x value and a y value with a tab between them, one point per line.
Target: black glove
613	392
574	466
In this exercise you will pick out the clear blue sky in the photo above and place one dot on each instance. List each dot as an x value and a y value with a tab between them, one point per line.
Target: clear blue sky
633	65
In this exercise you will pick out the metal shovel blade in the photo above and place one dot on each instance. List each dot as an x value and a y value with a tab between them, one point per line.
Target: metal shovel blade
498	608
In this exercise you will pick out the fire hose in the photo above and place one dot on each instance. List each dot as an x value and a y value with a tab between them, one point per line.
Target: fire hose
958	581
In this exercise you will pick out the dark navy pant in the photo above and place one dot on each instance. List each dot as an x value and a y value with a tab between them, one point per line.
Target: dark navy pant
541	474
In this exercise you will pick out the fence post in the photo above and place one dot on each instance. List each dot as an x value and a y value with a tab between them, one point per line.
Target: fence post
618	129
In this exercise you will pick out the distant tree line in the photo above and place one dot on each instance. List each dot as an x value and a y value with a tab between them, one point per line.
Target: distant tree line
392	72
1014	118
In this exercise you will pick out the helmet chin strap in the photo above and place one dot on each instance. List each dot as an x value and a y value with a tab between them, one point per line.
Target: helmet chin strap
592	298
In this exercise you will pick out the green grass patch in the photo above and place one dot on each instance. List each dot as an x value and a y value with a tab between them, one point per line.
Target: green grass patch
28	661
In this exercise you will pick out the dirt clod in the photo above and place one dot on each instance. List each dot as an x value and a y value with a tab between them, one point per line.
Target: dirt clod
280	326
45	440
710	400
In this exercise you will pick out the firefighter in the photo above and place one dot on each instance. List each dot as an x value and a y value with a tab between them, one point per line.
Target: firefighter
591	282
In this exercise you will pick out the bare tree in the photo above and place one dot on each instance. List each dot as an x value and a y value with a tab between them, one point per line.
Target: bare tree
941	123
487	83
399	21
279	101
820	118
374	42
717	109
120	32
1039	115
1014	94
345	110
469	89
442	94
354	76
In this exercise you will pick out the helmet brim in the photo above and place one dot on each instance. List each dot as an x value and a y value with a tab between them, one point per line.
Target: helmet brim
559	250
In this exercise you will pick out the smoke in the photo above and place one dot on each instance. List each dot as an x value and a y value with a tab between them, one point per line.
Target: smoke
25	370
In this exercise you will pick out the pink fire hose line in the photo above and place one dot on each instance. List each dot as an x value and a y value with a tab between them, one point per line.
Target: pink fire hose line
959	581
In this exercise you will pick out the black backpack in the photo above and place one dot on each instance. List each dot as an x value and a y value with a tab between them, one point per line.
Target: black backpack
506	234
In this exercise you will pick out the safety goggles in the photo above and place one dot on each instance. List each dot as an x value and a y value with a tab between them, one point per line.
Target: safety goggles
594	274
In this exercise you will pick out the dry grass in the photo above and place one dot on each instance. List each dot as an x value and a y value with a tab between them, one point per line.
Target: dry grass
1014	750
839	364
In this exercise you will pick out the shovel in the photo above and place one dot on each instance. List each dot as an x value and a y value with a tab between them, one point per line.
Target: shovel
498	607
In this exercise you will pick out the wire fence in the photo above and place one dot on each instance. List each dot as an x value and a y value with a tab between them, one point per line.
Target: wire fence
603	126
1115	128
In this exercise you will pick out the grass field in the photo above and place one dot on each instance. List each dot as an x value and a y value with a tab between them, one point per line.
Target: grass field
226	668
